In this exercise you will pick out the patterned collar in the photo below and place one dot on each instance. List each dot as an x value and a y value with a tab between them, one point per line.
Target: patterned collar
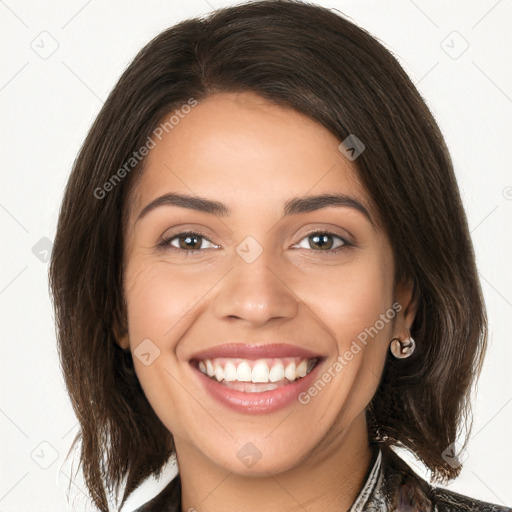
374	480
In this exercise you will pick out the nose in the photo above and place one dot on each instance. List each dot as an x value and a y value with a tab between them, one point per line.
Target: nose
255	292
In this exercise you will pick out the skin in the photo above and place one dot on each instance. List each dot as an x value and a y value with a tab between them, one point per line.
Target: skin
253	156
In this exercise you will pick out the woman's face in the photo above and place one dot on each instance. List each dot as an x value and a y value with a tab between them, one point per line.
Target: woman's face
304	281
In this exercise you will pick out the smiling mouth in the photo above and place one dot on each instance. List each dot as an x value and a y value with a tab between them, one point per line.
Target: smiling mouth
255	376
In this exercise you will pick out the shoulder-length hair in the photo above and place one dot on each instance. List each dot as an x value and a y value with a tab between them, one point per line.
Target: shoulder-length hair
315	61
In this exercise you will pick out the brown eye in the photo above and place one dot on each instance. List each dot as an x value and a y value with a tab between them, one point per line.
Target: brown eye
322	241
189	241
186	242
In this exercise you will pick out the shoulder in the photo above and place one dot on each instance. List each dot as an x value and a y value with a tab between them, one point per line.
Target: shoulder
406	490
450	501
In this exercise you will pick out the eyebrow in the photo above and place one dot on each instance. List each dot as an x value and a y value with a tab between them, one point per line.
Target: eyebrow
296	205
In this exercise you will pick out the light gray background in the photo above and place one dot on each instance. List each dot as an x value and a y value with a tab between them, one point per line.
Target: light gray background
49	101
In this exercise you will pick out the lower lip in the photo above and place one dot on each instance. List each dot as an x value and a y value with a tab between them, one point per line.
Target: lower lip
260	402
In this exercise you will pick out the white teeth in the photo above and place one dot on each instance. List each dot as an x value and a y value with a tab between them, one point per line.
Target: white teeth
301	370
219	372
230	372
263	371
289	372
260	372
243	372
276	372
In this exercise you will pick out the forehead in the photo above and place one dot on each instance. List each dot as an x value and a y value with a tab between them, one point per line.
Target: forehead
246	152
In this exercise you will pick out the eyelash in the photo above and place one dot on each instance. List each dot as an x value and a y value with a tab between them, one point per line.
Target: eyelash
166	243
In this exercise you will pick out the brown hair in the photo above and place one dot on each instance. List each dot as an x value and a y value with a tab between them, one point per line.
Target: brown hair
313	60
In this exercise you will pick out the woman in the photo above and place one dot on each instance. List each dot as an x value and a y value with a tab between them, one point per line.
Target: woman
263	267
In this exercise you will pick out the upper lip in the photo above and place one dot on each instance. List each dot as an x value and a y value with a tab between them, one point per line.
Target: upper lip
253	351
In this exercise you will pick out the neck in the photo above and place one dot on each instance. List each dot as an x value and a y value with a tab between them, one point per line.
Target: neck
328	478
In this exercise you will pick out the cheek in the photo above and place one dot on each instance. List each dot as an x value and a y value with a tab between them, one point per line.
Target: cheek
158	299
351	300
157	303
354	303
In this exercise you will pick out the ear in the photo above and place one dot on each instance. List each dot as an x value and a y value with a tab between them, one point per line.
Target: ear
123	342
121	336
407	295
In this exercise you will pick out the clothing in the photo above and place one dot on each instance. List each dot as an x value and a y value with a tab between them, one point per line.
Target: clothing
391	485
